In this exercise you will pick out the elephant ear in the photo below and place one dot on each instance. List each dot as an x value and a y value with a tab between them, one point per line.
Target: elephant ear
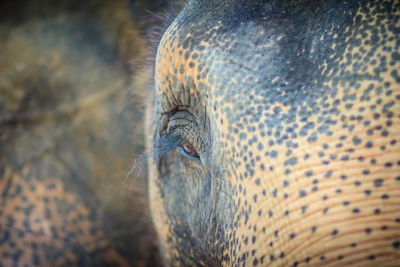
71	122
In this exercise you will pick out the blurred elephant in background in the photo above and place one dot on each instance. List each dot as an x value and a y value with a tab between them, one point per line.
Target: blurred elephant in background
71	110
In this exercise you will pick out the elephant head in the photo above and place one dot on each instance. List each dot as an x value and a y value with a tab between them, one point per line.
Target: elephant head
275	134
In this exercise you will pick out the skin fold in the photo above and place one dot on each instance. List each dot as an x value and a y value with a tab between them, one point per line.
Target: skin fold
274	130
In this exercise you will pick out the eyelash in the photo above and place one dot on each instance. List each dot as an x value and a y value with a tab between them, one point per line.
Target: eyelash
180	127
169	141
185	154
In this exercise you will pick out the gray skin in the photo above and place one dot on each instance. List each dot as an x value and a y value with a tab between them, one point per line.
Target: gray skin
275	131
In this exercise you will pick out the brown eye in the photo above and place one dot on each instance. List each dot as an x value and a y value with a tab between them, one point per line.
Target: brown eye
189	150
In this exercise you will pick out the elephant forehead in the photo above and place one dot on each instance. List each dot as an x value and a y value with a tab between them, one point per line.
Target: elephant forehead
256	60
279	77
201	53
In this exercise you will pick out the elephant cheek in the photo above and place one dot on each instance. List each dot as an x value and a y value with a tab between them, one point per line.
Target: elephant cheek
318	214
156	204
328	202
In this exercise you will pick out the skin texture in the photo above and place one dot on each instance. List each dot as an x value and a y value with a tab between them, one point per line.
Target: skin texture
70	106
293	108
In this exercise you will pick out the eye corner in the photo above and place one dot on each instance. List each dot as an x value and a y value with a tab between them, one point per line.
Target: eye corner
187	150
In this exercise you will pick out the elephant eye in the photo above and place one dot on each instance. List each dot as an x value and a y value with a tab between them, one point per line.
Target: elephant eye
181	127
188	150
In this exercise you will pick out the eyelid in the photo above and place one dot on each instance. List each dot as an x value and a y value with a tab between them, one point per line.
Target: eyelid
189	149
176	122
184	123
164	143
183	152
181	127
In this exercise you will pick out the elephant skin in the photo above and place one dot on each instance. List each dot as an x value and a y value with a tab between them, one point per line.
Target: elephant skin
274	130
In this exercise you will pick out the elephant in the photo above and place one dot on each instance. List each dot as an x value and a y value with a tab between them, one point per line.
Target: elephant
273	134
70	106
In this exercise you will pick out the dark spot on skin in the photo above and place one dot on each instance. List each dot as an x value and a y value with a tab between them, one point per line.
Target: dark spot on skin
356	140
328	174
274	154
356	210
274	193
371	257
303	209
378	182
271	257
315	188
255	261
388	164
255	198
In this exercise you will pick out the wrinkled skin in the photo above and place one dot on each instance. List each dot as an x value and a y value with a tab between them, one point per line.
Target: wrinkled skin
275	134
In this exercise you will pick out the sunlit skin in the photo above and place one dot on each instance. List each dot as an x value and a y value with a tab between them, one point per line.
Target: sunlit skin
275	131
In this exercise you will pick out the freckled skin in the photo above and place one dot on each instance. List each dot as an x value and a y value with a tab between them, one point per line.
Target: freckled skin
293	107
